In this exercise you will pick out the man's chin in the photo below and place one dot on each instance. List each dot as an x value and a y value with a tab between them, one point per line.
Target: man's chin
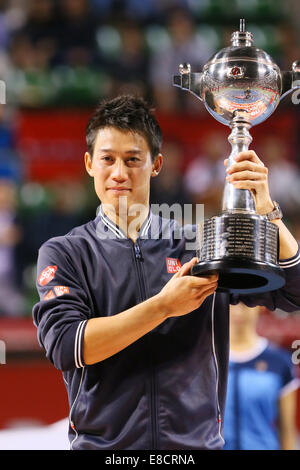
117	204
123	205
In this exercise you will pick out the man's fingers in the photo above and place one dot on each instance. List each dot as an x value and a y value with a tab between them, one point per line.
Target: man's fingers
185	268
199	282
245	175
196	282
247	165
210	290
248	155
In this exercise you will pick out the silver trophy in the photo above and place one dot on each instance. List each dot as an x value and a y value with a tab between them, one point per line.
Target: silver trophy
240	86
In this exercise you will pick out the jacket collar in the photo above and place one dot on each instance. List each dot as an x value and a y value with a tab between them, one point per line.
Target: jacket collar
118	232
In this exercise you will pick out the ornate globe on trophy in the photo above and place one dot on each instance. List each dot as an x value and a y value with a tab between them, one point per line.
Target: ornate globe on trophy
240	86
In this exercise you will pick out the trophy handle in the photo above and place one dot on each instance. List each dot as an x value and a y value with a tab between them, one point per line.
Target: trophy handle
290	79
186	80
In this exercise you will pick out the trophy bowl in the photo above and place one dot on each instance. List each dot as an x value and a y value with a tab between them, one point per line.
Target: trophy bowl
240	86
241	79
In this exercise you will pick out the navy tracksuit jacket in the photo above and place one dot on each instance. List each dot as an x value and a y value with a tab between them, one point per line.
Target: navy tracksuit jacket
165	391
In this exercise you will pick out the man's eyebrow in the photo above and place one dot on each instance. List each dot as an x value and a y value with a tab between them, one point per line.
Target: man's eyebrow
105	150
135	151
130	151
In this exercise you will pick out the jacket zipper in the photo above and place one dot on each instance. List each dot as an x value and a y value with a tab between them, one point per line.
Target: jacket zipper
143	293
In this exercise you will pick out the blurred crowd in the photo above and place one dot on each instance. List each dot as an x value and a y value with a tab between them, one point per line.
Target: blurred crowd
73	52
58	54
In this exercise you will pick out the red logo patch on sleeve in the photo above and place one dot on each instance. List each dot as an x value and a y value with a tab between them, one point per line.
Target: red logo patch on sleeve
49	295
47	275
61	290
173	265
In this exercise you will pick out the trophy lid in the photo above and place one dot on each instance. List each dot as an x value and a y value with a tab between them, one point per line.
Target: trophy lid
241	48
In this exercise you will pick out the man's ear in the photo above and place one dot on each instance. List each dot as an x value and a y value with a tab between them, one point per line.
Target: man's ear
157	165
88	163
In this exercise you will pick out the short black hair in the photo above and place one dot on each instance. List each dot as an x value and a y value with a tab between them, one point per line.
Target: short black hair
126	113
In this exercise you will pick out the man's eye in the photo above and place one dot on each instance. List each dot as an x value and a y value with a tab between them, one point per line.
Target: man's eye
107	158
133	159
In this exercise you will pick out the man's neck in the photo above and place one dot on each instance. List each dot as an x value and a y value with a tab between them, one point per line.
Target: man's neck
129	222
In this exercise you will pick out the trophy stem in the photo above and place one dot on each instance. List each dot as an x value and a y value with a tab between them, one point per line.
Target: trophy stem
238	200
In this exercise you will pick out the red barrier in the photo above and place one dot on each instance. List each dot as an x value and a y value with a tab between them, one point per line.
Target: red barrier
32	391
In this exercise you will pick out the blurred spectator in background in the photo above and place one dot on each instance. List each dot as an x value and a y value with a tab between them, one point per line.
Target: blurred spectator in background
10	166
205	175
22	53
183	46
41	27
27	78
168	186
261	396
11	296
129	68
67	206
11	300
284	175
102	8
11	171
290	42
33	49
77	46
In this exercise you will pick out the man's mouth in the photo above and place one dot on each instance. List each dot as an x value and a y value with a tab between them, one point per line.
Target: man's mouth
118	189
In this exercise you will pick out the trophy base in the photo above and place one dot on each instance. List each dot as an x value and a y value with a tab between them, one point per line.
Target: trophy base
238	276
243	249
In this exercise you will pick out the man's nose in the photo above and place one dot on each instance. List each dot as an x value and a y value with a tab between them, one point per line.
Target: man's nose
119	171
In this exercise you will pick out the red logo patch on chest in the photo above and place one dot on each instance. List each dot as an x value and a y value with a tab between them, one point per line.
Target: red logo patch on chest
173	265
47	275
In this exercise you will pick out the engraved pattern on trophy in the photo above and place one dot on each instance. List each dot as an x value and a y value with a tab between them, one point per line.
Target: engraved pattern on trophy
240	86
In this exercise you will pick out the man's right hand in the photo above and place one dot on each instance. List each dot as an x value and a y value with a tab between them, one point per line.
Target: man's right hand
106	336
184	292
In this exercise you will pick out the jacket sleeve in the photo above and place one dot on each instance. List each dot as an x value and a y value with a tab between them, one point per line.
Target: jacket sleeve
61	314
287	298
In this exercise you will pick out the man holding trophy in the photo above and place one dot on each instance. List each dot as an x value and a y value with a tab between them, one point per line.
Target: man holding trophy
144	351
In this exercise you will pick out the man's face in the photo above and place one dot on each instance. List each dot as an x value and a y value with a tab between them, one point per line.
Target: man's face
122	166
